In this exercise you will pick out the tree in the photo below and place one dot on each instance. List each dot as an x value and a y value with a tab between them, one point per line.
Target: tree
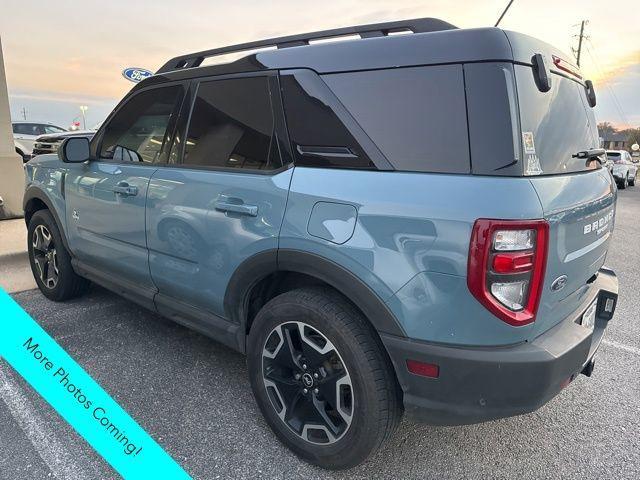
632	135
605	129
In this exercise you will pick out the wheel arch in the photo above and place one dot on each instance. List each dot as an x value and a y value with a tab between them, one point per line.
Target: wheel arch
34	200
268	274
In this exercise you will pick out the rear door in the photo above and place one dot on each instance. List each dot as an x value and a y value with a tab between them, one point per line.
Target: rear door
106	197
221	198
577	196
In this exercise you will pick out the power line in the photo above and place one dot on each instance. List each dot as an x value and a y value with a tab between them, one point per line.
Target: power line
503	13
614	97
581	36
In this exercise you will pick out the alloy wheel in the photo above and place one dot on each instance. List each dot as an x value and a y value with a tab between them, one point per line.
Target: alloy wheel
307	382
45	256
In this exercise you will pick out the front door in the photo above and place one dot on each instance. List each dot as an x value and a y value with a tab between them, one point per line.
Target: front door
225	198
106	197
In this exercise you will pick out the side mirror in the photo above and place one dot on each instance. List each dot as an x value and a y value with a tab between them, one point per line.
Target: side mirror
591	93
74	150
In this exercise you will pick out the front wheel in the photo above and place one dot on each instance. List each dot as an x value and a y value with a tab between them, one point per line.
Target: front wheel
50	261
321	378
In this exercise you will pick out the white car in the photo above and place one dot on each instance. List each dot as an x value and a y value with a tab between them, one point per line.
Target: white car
25	134
624	168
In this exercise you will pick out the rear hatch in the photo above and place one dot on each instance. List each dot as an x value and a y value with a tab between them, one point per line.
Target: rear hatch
577	195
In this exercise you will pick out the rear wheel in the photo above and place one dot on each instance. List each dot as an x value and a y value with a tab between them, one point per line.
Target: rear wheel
50	261
321	378
625	182
632	180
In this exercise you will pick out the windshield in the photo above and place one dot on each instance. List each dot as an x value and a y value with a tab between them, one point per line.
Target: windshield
555	125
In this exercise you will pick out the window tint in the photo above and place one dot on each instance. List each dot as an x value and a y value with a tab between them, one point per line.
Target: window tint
232	125
137	132
28	129
319	137
416	116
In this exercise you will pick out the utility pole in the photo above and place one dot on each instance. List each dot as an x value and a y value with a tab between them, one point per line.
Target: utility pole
580	38
24	113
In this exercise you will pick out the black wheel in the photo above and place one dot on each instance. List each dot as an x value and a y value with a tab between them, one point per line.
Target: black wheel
624	183
632	180
321	378
50	261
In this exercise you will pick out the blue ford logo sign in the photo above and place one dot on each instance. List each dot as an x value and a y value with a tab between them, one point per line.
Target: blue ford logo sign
136	74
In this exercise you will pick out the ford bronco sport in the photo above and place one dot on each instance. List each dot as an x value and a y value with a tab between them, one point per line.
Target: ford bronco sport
382	224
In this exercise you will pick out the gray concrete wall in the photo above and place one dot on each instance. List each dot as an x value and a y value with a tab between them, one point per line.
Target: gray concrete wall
11	170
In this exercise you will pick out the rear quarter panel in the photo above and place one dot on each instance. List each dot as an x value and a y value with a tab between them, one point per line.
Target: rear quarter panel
410	242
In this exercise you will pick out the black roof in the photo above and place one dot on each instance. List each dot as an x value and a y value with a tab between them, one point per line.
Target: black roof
433	41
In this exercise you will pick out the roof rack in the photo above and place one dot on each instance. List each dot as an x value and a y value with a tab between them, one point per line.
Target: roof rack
418	25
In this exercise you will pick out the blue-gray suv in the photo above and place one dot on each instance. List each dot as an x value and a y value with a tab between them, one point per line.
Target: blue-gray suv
385	223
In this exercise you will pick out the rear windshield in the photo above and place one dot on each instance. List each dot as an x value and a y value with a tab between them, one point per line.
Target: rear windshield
615	156
555	125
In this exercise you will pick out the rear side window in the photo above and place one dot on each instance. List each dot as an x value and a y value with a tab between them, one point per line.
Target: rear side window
555	125
416	116
138	130
232	126
319	136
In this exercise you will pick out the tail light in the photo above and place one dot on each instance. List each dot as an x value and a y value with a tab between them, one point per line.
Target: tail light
507	260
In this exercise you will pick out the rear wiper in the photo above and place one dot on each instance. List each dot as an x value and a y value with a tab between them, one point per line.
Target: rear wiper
589	154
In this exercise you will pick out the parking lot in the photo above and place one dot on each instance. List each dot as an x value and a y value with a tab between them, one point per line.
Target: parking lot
192	395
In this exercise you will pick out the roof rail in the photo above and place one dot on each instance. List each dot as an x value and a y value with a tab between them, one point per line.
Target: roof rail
417	25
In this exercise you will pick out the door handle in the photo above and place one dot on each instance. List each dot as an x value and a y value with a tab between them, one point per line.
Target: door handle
125	190
242	208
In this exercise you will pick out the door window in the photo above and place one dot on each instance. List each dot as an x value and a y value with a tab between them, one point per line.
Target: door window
232	126
139	129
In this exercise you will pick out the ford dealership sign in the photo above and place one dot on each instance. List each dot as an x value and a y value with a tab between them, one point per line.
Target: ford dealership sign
136	74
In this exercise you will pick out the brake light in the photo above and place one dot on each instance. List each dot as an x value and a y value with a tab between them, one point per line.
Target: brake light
507	260
565	66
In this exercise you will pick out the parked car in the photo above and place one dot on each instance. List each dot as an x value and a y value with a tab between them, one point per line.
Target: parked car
393	223
49	143
624	170
25	134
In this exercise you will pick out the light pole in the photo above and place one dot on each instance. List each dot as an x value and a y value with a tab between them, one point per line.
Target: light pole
83	109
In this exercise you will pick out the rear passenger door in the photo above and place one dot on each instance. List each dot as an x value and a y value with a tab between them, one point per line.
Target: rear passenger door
221	198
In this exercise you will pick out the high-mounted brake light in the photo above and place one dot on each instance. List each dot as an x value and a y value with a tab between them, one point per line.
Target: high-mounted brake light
565	66
507	261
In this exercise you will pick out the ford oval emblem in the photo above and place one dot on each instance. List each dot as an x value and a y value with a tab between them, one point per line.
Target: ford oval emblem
559	283
136	74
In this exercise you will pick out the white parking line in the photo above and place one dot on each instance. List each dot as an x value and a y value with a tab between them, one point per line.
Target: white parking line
622	346
53	452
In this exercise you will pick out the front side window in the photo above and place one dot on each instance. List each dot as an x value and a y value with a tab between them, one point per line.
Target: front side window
232	125
28	129
138	130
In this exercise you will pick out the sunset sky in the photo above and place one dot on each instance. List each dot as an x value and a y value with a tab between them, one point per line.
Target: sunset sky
63	54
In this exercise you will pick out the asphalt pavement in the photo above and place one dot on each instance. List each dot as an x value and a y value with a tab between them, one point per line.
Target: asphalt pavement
193	397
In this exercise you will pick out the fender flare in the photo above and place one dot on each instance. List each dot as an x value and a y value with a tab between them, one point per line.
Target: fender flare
257	267
33	192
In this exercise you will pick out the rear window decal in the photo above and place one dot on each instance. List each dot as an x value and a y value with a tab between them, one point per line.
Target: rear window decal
529	146
533	165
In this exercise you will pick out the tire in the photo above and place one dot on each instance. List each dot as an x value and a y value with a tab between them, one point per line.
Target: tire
632	180
52	271
624	182
354	366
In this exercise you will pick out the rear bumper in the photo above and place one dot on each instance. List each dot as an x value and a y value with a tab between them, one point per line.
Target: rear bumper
486	383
